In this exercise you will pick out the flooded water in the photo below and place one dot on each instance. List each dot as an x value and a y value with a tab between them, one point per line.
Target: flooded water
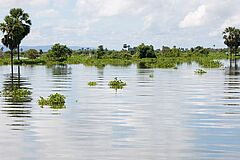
175	114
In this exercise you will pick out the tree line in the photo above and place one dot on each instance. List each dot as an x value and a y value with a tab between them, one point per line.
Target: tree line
17	24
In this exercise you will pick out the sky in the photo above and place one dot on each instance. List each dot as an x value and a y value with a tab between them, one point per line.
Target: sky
89	23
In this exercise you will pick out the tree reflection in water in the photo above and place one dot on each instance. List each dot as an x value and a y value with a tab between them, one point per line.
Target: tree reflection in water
232	83
17	97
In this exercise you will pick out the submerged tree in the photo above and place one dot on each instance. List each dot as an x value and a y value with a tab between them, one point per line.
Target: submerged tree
12	30
231	36
23	18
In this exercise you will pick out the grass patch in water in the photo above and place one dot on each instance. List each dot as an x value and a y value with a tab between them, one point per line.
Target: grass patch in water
117	84
151	76
92	83
200	71
55	101
17	94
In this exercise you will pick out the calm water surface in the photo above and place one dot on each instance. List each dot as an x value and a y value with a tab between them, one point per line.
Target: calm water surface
175	115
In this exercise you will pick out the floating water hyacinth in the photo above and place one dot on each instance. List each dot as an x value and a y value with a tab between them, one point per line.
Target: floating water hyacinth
117	84
92	83
55	101
200	71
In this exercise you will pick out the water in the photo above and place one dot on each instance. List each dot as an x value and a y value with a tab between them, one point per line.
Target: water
175	115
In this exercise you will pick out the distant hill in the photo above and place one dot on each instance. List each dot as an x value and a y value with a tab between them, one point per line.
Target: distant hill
47	47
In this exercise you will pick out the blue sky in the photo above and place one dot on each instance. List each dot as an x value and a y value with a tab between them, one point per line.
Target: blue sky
112	23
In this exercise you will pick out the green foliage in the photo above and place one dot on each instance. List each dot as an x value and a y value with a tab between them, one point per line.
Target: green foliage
118	55
151	76
17	94
92	83
117	84
32	54
55	101
231	36
145	51
200	71
37	61
208	63
100	51
59	53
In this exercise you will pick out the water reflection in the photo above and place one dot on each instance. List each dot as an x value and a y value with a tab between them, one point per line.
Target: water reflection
233	68
61	70
16	97
61	77
174	115
232	84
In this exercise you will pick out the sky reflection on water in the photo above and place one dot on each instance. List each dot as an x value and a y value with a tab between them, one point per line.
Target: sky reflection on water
175	114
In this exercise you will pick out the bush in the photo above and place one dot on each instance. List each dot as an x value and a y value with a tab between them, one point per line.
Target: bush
32	54
117	84
145	51
200	71
92	83
17	94
55	101
59	53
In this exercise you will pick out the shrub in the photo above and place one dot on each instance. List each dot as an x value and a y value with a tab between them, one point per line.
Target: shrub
145	51
117	84
59	53
17	94
92	83
55	101
200	71
32	54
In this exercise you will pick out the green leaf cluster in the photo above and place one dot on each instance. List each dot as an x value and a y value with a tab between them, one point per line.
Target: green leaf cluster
117	84
55	101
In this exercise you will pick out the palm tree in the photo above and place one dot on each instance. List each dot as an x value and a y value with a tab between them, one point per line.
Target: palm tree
231	36
19	15
12	29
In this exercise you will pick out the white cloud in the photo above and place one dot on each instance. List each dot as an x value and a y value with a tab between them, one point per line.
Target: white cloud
38	3
47	13
196	18
181	23
104	8
232	21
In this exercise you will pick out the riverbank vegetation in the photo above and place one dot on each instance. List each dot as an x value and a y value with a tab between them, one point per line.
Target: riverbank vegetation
16	26
145	56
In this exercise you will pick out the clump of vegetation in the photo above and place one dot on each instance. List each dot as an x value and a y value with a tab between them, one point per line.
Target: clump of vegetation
117	84
200	71
151	76
55	101
145	51
59	53
17	94
92	83
208	63
32	54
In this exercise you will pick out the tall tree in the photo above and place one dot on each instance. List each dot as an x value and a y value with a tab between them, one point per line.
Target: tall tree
12	29
19	15
231	36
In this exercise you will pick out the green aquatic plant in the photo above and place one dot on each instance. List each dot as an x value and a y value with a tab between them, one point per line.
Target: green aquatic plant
200	71
117	84
17	94
55	101
151	76
92	83
208	63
